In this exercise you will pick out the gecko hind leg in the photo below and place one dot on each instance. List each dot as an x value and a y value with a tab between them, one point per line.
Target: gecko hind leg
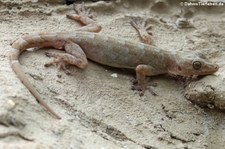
74	56
143	30
84	16
58	62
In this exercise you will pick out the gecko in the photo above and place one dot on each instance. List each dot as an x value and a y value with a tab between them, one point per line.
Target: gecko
86	43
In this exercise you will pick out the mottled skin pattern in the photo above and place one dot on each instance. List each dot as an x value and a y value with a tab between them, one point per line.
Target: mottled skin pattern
147	60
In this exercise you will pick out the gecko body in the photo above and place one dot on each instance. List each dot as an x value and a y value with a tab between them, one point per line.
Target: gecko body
118	52
114	52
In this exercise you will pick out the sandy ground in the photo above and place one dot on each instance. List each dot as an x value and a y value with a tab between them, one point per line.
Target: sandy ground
101	111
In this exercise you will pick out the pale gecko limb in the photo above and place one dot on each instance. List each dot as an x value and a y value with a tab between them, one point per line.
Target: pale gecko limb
77	58
140	84
141	72
74	56
143	30
84	16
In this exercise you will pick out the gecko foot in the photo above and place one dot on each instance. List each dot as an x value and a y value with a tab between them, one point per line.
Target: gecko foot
143	30
85	17
58	62
82	11
141	88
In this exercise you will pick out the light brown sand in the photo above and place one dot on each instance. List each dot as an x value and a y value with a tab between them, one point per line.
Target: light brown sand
98	110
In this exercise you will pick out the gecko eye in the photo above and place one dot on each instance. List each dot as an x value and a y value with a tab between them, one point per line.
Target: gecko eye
197	65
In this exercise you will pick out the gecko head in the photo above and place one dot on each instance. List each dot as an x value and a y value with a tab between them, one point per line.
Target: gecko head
191	64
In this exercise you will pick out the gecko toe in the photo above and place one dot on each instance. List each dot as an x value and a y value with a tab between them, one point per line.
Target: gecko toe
48	54
151	91
134	82
143	29
139	90
67	72
143	87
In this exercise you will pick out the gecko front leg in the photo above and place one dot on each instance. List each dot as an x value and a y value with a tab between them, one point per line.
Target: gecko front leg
141	72
140	84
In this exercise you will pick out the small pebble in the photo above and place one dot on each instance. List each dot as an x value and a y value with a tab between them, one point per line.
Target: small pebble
114	75
183	23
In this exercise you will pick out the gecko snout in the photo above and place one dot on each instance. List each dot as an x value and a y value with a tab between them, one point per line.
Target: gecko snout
214	68
209	69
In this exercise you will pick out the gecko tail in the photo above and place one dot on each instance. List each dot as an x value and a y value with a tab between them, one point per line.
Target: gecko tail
21	75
